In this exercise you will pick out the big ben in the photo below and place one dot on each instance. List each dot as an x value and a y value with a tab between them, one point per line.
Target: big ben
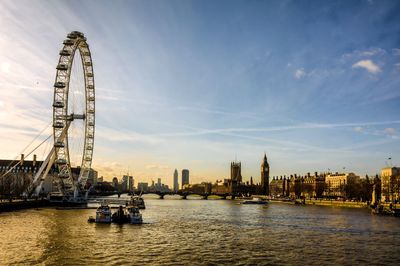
265	176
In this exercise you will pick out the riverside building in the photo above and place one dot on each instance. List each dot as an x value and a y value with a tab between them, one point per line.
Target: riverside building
17	175
336	183
390	184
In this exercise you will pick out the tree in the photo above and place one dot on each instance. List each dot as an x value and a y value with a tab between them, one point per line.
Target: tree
353	189
378	188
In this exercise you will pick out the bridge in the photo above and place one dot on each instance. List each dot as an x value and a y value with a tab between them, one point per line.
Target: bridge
185	194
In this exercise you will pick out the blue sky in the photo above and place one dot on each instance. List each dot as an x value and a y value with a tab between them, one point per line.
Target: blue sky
194	84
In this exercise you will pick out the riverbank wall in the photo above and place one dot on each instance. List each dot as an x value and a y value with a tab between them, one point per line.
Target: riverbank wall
7	206
338	203
325	202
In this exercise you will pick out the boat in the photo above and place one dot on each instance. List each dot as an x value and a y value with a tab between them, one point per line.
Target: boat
258	201
120	216
135	217
103	214
381	210
300	202
137	201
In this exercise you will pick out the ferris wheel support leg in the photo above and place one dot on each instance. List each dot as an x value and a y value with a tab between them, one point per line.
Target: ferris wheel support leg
38	188
41	174
44	169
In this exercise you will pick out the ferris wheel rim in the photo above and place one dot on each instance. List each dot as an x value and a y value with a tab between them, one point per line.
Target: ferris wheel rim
75	42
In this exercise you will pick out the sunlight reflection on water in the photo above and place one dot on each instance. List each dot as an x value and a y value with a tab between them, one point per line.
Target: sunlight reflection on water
181	232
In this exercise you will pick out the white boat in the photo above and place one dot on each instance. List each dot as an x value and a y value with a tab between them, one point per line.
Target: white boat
103	214
138	202
134	216
258	201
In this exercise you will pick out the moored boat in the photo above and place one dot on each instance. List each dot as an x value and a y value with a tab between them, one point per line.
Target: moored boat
382	210
103	214
120	216
137	201
258	201
135	217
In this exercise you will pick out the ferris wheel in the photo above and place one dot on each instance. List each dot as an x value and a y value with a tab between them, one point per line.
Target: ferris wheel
74	112
73	120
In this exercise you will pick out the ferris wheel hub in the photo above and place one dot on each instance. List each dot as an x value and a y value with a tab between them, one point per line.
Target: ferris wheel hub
72	117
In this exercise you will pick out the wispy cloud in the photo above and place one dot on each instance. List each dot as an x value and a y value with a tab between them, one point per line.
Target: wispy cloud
299	73
396	51
157	167
122	136
373	51
390	131
368	65
358	127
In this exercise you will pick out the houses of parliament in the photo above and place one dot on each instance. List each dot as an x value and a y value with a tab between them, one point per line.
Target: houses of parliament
236	186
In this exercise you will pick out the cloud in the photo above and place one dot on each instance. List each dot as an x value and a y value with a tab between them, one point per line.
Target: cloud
5	67
374	51
299	73
201	131
358	129
113	135
158	167
396	51
107	167
390	131
368	65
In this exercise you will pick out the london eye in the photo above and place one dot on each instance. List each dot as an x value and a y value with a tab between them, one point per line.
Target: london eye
73	113
73	121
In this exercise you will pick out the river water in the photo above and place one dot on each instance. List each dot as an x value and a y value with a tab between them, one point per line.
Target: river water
203	232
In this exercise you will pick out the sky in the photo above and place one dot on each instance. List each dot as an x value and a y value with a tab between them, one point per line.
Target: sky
197	84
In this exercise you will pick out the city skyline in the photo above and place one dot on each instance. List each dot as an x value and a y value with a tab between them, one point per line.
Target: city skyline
193	85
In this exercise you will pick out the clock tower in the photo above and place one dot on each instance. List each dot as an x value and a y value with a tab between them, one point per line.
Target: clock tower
265	176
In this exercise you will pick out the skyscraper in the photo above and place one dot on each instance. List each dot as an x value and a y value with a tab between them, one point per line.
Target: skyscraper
176	184
127	183
185	177
265	176
158	184
131	183
115	182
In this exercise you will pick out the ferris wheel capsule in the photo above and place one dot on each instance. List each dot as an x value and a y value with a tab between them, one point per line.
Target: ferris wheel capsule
72	35
68	42
59	84
62	67
65	52
58	104
59	144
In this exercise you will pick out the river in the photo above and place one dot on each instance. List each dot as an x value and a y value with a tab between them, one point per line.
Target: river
203	232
